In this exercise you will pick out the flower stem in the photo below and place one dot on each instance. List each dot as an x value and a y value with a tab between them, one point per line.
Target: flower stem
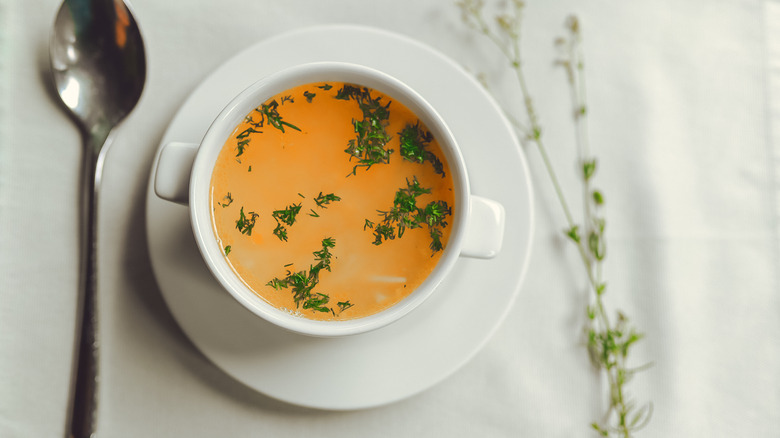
608	344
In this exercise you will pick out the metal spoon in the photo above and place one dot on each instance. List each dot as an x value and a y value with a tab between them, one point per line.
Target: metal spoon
98	64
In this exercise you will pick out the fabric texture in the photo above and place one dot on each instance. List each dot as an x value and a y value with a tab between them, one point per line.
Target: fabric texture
684	113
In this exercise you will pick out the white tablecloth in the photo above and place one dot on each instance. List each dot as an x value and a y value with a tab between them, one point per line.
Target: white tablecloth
684	102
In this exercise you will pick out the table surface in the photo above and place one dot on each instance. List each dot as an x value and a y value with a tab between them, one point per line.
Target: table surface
684	118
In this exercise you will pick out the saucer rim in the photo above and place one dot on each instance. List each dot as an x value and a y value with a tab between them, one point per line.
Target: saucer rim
527	213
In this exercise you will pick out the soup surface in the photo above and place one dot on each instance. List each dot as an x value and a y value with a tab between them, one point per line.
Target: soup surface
332	201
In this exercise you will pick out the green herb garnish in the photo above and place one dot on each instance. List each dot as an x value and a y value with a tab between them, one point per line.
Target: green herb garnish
383	232
369	144
243	136
269	113
436	244
323	200
241	147
344	305
317	302
277	283
303	282
414	147
245	223
245	133
406	214
280	231
308	95
433	215
325	87
323	256
228	199
227	250
272	115
287	217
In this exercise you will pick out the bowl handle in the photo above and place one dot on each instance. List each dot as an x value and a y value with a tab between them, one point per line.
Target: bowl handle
172	177
485	232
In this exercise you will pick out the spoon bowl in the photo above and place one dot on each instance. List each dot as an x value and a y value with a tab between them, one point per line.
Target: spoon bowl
98	65
97	61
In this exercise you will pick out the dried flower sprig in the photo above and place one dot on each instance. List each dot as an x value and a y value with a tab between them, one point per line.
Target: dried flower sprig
608	342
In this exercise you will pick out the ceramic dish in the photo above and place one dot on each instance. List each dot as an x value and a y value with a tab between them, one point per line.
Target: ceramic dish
398	360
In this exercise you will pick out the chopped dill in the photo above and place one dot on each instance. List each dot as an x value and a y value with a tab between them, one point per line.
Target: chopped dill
250	130
268	113
323	200
287	217
302	283
245	223
228	199
241	147
371	138
405	214
317	302
281	232
271	113
414	147
344	305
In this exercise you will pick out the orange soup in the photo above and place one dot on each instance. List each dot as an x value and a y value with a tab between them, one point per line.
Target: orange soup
332	201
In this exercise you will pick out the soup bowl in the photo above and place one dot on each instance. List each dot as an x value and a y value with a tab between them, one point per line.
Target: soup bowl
184	173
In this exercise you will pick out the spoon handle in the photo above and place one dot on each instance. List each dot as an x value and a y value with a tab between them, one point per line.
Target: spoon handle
83	407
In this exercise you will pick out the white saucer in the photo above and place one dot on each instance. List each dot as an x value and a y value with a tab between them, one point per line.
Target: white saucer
396	361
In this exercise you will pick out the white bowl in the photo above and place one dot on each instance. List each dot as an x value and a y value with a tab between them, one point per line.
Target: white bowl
184	175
